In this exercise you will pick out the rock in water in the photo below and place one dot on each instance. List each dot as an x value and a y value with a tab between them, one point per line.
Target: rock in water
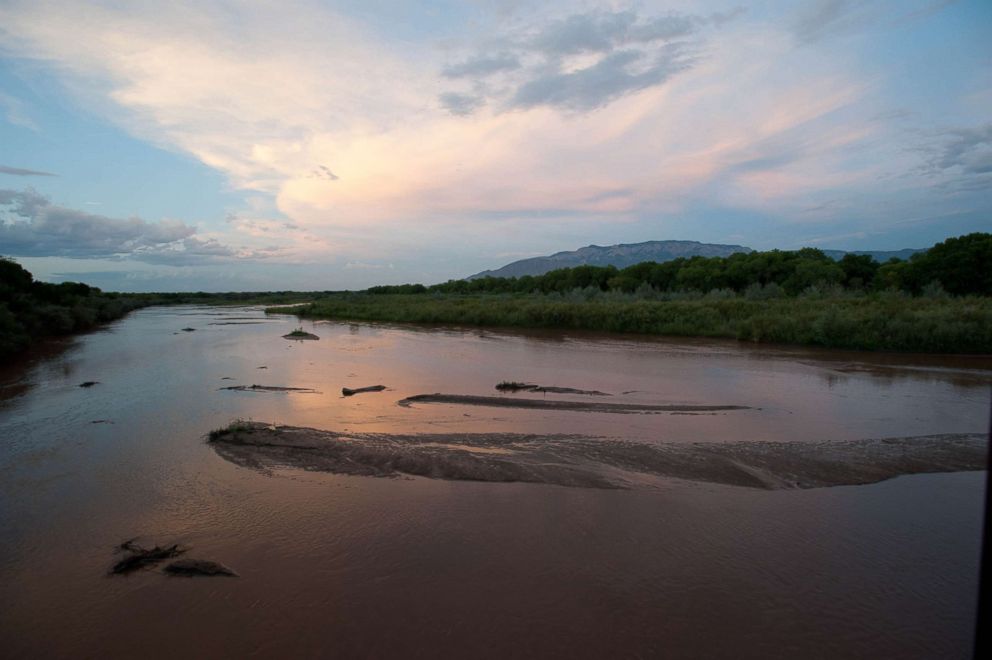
199	567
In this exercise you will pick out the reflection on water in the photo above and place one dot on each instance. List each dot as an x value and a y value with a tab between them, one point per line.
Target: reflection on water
356	566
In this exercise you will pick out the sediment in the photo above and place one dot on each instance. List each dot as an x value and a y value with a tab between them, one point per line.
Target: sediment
268	388
553	404
593	462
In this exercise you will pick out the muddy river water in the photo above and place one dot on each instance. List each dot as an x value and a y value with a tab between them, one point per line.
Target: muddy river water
621	562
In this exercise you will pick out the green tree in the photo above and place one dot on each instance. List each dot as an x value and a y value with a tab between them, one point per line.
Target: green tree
859	270
962	265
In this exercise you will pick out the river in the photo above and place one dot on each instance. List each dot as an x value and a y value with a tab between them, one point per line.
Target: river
345	566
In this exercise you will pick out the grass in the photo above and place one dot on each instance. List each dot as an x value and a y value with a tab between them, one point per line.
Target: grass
513	386
892	322
238	425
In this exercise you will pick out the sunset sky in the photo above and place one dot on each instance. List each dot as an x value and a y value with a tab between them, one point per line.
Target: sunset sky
327	145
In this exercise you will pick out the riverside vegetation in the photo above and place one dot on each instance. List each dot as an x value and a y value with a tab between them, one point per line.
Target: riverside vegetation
32	310
939	301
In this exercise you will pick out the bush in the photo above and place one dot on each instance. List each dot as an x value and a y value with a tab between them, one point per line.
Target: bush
884	321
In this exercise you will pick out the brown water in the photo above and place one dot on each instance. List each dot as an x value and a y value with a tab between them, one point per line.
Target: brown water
359	566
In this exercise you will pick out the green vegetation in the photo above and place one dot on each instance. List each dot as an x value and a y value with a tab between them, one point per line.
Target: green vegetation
514	386
938	301
960	266
236	426
30	310
886	321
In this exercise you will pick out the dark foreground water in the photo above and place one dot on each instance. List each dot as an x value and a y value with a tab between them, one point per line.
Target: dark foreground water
349	566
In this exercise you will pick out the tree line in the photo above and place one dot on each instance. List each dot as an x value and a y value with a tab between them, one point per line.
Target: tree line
958	266
30	310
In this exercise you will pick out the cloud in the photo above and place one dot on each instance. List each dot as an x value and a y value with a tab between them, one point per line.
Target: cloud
565	120
195	251
673	108
959	160
323	172
460	104
31	226
599	84
966	150
481	65
601	32
591	32
246	97
17	171
260	226
578	62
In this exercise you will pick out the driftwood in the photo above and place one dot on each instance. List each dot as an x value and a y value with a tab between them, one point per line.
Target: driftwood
513	386
89	383
347	391
268	388
140	558
189	329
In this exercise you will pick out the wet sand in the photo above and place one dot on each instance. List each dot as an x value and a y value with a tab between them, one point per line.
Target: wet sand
587	462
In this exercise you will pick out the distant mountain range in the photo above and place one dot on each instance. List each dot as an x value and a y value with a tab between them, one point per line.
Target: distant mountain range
620	256
624	255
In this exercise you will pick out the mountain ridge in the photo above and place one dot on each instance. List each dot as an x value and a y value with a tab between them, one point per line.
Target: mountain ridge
622	255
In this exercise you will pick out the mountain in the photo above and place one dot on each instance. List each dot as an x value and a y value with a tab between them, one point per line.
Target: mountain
624	255
620	256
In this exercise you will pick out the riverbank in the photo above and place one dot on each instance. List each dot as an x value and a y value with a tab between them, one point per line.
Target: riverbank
878	322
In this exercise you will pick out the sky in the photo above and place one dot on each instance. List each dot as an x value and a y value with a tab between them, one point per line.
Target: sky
264	145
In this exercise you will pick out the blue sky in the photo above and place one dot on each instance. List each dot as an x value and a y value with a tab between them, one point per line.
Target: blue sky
329	145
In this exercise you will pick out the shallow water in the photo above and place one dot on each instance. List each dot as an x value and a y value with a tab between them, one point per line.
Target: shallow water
353	565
